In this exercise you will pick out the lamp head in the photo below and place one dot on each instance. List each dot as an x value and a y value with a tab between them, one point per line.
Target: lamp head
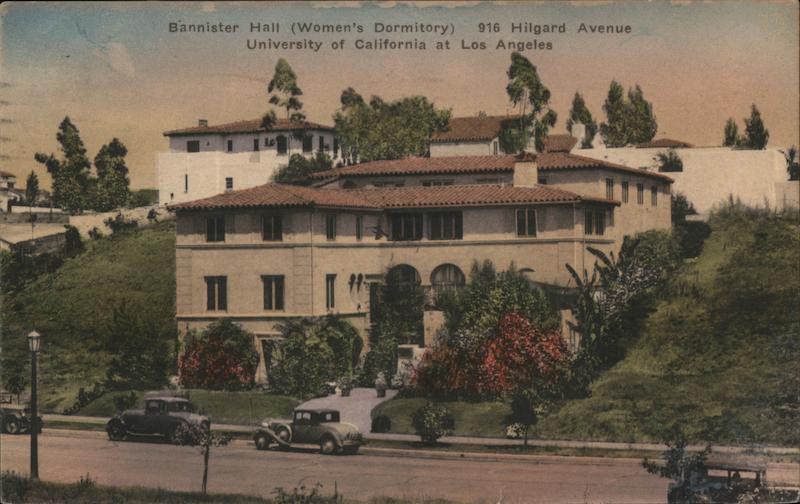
34	339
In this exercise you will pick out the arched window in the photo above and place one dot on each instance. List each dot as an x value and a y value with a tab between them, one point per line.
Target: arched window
404	276
447	278
283	145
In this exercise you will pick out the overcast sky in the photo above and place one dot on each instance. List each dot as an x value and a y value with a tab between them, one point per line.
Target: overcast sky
117	71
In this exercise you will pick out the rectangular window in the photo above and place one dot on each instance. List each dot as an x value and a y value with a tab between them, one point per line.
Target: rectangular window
599	223
654	196
273	292
542	180
437	183
321	143
308	143
282	144
330	226
446	226
230	145
330	291
193	146
495	147
526	222
272	228
216	293
624	191
359	227
229	183
335	146
609	188
487	181
215	228
186	183
640	194
255	144
406	227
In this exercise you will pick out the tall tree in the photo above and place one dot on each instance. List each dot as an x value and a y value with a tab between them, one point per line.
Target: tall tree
32	188
642	124
527	92
112	177
386	130
731	133
629	120
579	113
285	91
71	177
756	135
792	164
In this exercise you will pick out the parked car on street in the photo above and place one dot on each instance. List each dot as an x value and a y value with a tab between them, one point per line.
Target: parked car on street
161	416
16	419
310	426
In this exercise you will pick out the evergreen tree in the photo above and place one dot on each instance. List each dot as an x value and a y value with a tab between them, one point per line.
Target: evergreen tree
756	135
527	92
629	120
112	177
285	91
71	177
32	189
579	113
731	133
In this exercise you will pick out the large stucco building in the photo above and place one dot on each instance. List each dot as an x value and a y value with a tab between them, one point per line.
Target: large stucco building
273	252
205	160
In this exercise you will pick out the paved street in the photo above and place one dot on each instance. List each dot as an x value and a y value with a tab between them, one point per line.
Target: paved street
67	455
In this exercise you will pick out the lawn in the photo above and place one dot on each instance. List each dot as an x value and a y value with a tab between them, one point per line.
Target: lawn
19	490
719	356
72	309
245	408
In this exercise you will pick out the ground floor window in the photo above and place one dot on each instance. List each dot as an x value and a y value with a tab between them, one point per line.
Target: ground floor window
447	278
526	222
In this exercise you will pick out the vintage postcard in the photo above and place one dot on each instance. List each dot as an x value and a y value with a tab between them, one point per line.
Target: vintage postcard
400	252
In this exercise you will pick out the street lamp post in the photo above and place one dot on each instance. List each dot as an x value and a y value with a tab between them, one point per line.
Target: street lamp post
34	338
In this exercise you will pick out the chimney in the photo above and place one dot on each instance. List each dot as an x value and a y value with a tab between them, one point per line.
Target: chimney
203	123
526	171
579	132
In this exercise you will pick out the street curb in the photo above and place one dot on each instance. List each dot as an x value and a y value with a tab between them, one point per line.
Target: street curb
497	457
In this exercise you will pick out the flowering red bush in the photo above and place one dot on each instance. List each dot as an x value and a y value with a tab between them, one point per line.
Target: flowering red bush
520	355
222	357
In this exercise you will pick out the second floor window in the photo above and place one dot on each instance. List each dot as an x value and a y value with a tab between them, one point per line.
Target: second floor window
609	188
193	146
654	196
186	183
216	293
526	222
215	228
406	226
272	228
446	226
229	183
595	222
273	292
437	183
624	191
308	143
330	291
640	194
359	227
330	226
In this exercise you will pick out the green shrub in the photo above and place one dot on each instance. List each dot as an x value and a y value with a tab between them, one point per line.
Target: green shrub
432	421
14	487
305	495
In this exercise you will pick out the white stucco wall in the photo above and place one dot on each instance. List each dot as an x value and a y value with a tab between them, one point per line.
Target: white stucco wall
208	169
711	174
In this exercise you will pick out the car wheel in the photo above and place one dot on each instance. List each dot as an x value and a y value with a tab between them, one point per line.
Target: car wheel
11	426
116	432
173	436
284	435
327	445
262	442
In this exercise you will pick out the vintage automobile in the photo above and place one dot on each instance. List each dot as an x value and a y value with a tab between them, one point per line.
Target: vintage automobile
16	419
724	480
310	426
161	416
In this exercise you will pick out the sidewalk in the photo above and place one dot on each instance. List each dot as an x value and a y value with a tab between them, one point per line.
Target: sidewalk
479	441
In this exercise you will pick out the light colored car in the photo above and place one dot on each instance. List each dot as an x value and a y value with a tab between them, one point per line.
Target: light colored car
310	426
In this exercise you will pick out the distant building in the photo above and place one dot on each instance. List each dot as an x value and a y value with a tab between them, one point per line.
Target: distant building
206	160
8	190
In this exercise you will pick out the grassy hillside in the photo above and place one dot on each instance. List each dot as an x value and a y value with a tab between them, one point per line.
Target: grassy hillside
72	309
720	356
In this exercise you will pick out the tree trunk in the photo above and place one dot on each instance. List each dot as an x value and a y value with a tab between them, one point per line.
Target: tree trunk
206	455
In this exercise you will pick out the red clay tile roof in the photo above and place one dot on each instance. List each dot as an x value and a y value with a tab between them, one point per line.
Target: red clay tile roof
476	164
253	126
666	143
281	195
559	143
472	129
